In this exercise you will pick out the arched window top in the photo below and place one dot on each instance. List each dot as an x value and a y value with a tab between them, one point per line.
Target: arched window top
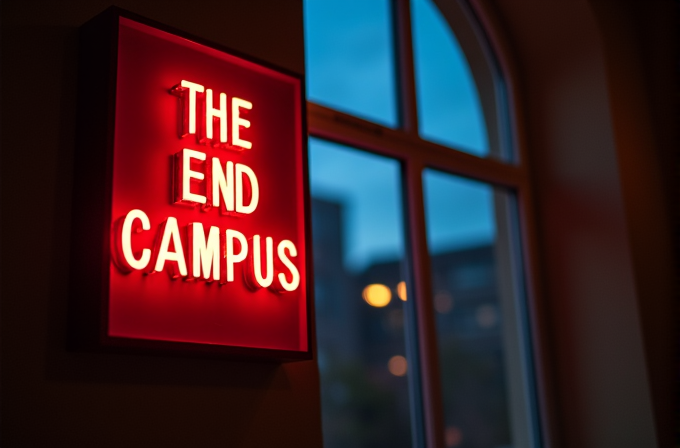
449	108
354	64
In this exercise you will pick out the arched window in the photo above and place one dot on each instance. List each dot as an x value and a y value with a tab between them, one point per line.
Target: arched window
422	330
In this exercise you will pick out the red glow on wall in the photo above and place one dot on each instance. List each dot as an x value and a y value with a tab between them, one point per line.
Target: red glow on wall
208	238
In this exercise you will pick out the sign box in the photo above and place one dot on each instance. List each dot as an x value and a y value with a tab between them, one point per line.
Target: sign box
191	225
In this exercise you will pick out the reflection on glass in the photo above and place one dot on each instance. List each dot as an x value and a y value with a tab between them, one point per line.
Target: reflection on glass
449	110
358	249
350	57
463	243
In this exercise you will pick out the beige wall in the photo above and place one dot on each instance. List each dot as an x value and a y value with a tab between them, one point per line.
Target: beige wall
51	397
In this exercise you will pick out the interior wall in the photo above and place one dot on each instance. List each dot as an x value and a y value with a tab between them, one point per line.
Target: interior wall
641	49
603	205
53	397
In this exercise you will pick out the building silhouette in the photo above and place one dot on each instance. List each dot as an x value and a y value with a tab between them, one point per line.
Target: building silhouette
356	340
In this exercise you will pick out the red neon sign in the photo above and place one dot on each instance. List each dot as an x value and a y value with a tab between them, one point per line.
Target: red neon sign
207	222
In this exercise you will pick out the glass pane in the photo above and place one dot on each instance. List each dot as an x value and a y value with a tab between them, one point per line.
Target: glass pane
350	57
358	251
449	110
480	353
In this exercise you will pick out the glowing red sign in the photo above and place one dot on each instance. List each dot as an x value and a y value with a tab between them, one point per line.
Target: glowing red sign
208	239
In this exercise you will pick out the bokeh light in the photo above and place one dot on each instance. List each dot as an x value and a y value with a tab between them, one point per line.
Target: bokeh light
401	290
377	295
397	365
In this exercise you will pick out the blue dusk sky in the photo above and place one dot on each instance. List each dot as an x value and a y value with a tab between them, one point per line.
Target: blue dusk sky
350	66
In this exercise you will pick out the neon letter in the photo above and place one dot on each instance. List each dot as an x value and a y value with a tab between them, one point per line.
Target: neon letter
163	253
189	119
229	254
254	188
211	112
295	281
204	254
129	261
222	186
254	277
184	174
237	121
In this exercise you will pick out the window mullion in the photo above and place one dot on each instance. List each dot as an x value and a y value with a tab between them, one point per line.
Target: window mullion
421	291
406	84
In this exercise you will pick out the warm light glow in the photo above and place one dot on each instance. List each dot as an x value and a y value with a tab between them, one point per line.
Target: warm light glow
193	88
187	174
236	122
263	281
205	255
231	257
126	240
211	112
453	436
377	295
223	186
443	302
254	188
171	233
397	365
401	290
281	251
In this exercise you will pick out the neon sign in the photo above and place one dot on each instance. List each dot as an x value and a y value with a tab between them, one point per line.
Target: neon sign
202	192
